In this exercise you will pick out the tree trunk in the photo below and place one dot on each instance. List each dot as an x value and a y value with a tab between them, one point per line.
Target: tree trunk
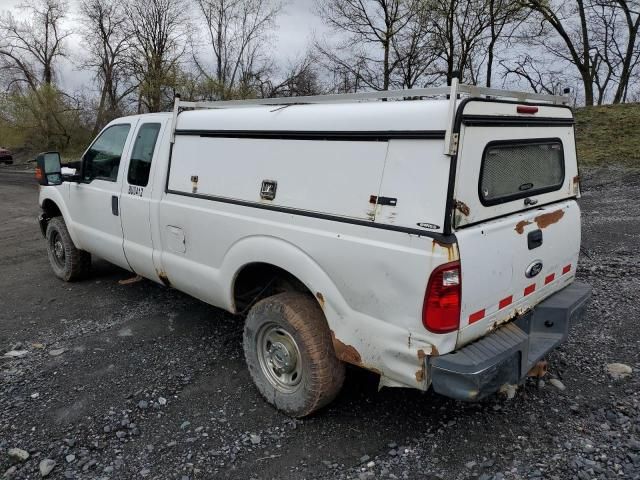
625	75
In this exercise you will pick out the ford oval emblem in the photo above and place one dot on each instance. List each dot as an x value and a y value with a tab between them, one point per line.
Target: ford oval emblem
534	269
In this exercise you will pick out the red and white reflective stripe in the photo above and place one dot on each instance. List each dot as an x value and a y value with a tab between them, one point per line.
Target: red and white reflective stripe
474	317
505	302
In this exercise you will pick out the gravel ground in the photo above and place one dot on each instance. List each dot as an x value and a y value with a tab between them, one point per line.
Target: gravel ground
138	381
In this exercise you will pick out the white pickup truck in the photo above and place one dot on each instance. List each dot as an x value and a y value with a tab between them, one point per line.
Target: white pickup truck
431	237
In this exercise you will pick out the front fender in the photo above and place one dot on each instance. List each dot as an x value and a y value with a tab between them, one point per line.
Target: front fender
57	195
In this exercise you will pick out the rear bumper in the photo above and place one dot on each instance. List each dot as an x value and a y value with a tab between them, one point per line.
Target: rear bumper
506	355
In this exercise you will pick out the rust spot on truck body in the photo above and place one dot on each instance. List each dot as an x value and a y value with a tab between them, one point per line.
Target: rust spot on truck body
163	278
449	248
520	226
346	353
320	298
539	370
463	208
423	365
543	221
546	219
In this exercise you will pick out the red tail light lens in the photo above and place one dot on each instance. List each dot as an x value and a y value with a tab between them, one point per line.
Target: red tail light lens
527	109
441	309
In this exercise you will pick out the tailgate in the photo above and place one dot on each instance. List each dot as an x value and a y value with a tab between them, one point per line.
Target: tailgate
503	277
516	219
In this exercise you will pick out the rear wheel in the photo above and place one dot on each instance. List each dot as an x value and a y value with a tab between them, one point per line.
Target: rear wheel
290	355
68	262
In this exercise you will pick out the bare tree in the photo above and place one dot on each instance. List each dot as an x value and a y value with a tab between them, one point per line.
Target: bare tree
570	20
300	78
460	28
627	52
237	34
538	76
367	29
29	51
30	48
415	48
505	16
107	44
158	32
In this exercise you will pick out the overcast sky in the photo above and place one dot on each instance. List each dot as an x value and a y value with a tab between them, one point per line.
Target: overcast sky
297	24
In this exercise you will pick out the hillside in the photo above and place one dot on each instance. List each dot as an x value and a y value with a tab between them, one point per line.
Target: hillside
609	135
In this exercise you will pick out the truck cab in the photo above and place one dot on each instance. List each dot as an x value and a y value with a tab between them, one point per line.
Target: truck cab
432	238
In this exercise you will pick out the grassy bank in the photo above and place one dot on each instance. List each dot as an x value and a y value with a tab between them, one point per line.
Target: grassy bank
609	135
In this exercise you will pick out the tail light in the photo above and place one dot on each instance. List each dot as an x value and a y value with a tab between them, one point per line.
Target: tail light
442	300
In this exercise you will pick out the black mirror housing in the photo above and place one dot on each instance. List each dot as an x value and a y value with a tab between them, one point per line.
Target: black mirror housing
48	169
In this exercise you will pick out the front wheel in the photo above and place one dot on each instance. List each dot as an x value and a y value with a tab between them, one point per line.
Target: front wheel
68	262
290	355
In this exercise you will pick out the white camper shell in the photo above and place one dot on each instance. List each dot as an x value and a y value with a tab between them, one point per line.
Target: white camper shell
432	237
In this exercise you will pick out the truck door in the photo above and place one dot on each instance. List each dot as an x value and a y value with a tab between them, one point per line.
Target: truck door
515	214
137	188
94	203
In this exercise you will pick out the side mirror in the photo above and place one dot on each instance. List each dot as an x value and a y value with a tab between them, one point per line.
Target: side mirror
48	169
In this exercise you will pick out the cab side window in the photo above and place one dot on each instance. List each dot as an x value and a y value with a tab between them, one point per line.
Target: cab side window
142	155
102	160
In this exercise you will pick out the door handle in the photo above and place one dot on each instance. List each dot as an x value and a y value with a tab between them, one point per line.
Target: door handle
534	239
114	205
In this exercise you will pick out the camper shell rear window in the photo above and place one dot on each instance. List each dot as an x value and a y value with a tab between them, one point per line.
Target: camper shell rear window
515	169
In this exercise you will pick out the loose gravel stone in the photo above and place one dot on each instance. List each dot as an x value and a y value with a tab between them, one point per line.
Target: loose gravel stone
18	454
619	370
16	353
46	466
558	384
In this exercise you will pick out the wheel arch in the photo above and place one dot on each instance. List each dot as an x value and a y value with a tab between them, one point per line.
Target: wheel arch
52	205
268	255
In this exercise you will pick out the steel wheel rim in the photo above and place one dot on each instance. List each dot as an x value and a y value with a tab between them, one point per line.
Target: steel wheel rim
57	249
279	357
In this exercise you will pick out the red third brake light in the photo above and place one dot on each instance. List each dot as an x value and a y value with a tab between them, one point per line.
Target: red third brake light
441	309
530	109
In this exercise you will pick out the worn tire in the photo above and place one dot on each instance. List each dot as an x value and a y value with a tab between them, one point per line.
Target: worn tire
321	375
68	262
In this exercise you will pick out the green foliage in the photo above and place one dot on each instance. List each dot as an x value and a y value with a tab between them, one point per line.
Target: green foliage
44	119
608	135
